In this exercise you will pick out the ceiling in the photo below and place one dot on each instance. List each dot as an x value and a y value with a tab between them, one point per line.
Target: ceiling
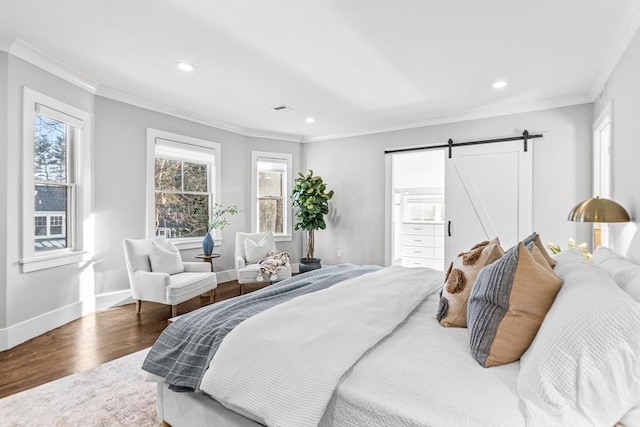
355	66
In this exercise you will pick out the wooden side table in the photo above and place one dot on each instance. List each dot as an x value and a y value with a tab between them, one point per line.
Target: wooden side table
208	258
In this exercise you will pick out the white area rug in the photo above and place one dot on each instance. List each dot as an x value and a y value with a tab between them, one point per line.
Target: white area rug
112	394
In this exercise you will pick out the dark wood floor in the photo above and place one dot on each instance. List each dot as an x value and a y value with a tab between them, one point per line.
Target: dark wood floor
92	340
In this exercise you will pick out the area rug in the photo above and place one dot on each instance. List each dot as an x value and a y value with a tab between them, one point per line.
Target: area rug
112	394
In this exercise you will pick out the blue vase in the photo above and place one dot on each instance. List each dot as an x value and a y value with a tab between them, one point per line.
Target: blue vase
207	244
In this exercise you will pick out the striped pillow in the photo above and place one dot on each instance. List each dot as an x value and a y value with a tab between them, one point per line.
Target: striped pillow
508	303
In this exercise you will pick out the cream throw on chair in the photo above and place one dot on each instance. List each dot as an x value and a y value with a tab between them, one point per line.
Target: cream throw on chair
251	248
188	279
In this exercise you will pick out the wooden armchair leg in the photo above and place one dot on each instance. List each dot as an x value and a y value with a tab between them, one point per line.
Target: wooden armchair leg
212	295
138	305
241	289
174	310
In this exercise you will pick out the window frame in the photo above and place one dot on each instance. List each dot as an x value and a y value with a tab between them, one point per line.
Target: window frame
79	207
287	210
184	142
602	175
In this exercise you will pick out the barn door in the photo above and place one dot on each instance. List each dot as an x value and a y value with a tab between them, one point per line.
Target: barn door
488	193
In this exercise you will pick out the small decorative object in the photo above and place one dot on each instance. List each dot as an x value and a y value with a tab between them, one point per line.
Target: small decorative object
582	247
311	201
218	222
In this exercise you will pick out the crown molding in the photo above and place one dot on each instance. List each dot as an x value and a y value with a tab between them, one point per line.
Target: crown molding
159	107
30	54
629	26
483	113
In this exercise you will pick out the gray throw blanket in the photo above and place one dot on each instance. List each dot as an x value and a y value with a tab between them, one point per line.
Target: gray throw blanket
182	353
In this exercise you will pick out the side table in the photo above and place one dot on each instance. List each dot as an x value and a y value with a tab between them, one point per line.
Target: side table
208	258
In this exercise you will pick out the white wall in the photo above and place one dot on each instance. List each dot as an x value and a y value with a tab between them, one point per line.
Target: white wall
561	175
622	90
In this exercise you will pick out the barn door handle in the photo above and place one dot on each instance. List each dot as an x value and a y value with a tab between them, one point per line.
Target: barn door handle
449	228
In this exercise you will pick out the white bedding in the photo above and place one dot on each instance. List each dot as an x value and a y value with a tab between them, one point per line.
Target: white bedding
293	355
424	375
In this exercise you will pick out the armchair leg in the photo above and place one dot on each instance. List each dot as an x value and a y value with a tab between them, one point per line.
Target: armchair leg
174	310
241	289
138	305
212	295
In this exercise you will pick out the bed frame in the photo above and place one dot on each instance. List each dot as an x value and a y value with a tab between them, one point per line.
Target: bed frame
191	409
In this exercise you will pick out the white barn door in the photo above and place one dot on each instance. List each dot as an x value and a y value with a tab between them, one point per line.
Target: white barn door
488	193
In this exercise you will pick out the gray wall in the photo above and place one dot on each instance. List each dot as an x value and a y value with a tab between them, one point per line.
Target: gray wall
32	294
354	168
622	90
119	192
118	195
4	176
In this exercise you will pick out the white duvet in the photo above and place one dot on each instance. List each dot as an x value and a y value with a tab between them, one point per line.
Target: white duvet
365	352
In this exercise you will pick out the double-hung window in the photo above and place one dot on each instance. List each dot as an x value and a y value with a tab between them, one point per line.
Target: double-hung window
56	180
270	186
182	181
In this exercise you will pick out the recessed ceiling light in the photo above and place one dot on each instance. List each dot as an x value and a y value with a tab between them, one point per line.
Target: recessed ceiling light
499	84
185	66
310	120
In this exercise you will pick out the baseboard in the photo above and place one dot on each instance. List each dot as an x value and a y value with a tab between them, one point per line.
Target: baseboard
24	331
113	299
226	276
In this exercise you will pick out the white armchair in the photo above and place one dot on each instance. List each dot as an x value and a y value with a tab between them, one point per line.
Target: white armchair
161	287
246	261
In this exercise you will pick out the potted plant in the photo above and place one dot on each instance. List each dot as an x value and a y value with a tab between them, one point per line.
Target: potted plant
218	222
311	201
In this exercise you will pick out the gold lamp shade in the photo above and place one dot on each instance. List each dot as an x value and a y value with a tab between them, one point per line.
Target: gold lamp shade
598	209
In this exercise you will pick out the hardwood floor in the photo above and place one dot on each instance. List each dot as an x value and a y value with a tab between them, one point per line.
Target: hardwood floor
92	340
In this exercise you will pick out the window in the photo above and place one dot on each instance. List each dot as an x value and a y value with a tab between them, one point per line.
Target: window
181	186
56	181
270	188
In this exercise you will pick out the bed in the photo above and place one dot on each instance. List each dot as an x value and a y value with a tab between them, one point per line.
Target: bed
359	346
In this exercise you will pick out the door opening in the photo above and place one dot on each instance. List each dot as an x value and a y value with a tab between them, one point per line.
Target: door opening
417	212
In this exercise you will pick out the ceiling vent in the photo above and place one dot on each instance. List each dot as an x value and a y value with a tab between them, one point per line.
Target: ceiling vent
283	108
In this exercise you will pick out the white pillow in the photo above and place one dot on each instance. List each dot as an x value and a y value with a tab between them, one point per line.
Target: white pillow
254	252
625	273
583	367
165	259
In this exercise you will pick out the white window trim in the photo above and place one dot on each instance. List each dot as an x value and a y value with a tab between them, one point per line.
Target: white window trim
152	135
287	158
602	164
32	102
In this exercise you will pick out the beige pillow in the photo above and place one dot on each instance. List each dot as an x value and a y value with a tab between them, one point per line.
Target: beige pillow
460	278
165	259
508	304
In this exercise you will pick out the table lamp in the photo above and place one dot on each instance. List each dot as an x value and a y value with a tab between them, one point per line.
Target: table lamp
598	210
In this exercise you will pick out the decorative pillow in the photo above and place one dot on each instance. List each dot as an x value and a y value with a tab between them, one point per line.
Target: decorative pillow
535	238
459	280
254	252
508	303
624	272
165	259
583	367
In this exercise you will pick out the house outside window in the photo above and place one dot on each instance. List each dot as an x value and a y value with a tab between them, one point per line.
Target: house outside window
56	182
271	176
182	186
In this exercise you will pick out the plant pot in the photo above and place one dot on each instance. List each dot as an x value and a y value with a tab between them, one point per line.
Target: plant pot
308	264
